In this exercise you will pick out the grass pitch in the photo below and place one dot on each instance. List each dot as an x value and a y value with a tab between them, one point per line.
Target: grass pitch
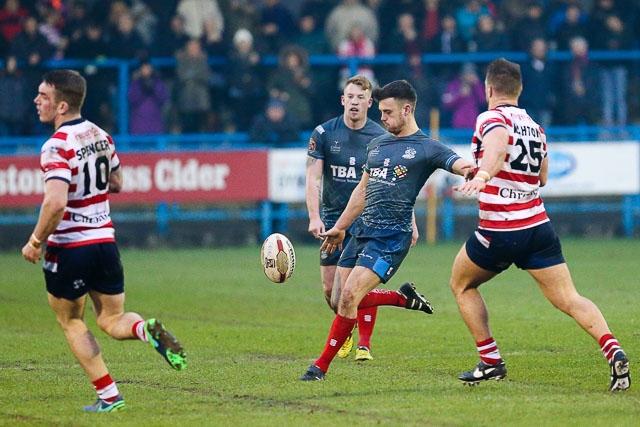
249	340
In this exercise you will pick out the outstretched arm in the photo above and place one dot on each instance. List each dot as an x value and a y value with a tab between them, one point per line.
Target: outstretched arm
495	149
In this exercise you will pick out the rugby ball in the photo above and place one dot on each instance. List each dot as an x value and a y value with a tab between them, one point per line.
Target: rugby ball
278	258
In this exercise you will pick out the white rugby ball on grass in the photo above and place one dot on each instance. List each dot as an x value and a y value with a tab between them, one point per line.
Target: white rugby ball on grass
278	258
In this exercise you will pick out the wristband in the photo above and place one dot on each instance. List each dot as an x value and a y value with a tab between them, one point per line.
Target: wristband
485	173
34	242
479	179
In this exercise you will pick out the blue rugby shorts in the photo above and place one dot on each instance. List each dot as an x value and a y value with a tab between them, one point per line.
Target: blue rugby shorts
380	250
529	249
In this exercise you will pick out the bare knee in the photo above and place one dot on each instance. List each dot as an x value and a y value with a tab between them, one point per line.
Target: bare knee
330	303
459	287
347	300
568	305
70	325
107	323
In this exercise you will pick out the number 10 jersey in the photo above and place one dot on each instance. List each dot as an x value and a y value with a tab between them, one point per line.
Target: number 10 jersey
83	155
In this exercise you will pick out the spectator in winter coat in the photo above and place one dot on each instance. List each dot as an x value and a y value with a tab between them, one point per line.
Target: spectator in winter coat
148	97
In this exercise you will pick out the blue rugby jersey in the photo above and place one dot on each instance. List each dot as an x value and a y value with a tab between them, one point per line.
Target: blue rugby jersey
398	168
343	152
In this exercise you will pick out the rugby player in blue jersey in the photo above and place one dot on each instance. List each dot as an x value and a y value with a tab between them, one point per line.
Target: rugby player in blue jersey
397	166
336	154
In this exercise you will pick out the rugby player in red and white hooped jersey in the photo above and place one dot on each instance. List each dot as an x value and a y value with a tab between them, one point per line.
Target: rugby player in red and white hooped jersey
80	168
512	200
510	153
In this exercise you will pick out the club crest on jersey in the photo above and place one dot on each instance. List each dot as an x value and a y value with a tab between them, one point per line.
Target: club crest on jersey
409	153
374	152
335	147
400	171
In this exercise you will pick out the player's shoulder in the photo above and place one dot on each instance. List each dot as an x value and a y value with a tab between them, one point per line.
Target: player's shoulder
373	127
329	126
493	114
82	128
381	139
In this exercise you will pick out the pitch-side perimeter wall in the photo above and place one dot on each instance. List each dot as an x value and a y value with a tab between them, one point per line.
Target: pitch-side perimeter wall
278	175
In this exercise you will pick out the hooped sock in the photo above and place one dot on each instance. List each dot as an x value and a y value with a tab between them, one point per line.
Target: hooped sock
106	388
489	352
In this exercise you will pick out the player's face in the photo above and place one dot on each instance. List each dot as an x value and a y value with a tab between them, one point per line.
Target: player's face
356	102
46	103
393	115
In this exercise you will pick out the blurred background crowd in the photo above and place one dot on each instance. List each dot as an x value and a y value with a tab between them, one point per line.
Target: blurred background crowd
218	79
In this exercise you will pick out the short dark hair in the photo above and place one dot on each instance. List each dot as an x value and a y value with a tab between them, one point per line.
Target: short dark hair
398	89
69	86
505	77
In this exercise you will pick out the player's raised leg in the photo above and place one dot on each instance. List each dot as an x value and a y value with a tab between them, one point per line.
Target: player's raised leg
121	325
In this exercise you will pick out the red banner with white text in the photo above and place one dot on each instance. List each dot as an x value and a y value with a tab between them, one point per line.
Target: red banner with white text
153	177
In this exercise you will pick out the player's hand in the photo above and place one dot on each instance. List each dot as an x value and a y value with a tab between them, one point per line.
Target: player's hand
415	235
31	254
467	171
332	240
471	187
316	228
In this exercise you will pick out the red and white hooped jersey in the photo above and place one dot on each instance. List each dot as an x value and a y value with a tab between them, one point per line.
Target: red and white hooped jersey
83	155
511	199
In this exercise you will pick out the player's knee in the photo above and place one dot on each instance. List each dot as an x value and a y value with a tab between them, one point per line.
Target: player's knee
106	324
69	324
457	287
348	300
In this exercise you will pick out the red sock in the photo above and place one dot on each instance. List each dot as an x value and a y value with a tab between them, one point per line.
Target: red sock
366	322
382	297
609	345
340	330
106	388
138	331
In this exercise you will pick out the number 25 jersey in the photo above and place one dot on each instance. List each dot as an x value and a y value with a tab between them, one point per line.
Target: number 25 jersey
511	199
83	155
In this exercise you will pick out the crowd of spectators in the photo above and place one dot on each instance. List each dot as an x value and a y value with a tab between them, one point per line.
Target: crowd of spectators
245	94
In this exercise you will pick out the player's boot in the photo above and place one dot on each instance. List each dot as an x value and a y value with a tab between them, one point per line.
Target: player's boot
313	374
483	372
620	379
363	353
102	406
415	301
166	344
347	346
